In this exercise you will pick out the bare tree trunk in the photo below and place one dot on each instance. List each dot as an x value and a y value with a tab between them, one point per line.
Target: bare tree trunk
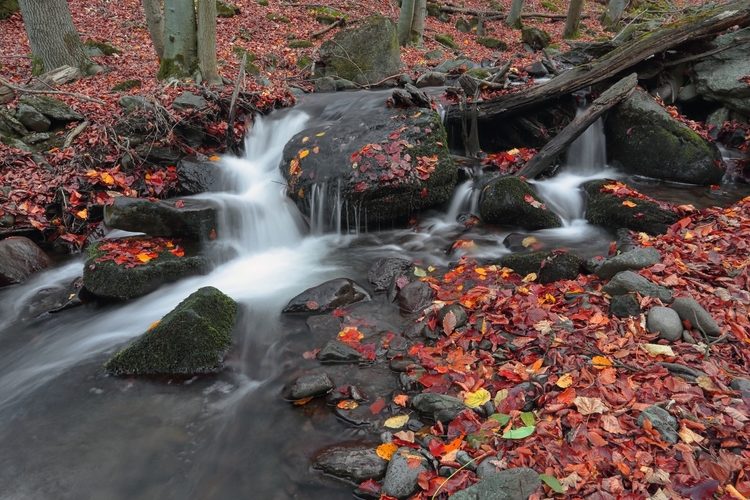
573	21
417	22
155	21
514	18
405	21
53	38
180	42
207	42
614	11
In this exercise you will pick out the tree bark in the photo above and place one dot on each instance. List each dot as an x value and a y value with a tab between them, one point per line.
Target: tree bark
611	97
155	22
417	22
405	21
207	42
573	22
514	18
614	11
180	41
52	36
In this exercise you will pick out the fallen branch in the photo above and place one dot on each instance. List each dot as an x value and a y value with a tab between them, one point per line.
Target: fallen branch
75	133
233	104
56	92
328	28
695	57
490	15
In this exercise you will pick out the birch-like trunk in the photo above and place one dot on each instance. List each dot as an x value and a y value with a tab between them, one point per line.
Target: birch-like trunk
573	22
180	42
514	17
207	42
155	21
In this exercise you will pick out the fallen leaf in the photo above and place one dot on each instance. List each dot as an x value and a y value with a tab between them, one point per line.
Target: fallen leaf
302	401
688	436
553	483
401	399
449	323
519	433
476	398
600	362
348	404
565	381
396	422
658	349
628	203
588	406
386	450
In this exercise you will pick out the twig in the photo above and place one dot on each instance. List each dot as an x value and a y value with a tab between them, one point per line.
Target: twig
708	53
59	92
384	80
550	62
75	133
233	104
328	28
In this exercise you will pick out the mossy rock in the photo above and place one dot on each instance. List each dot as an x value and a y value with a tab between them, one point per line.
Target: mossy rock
52	108
550	6
492	43
193	338
263	3
481	74
95	48
278	18
226	9
126	85
509	201
304	62
433	10
536	38
447	41
547	266
249	56
252	69
300	44
8	8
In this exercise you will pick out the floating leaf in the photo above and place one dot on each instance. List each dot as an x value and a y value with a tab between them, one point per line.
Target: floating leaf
401	399
658	349
552	482
476	398
377	406
520	433
386	450
302	401
421	273
348	404
396	422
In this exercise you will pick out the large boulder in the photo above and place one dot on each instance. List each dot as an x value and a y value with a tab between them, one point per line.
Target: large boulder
193	338
20	258
360	172
366	54
548	266
53	109
643	139
717	77
197	176
509	201
194	219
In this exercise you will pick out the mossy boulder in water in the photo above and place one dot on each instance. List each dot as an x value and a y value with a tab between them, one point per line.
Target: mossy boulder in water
509	201
193	338
194	219
547	266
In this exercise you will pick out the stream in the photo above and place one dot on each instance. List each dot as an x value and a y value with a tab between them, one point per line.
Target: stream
69	431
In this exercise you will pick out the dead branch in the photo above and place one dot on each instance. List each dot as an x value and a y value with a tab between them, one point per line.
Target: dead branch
24	90
233	104
75	133
335	24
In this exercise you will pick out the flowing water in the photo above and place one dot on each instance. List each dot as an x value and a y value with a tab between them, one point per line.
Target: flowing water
67	430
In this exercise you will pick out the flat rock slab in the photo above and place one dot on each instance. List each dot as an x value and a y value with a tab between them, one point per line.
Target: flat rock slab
305	386
511	484
20	258
189	218
627	281
352	462
638	258
328	296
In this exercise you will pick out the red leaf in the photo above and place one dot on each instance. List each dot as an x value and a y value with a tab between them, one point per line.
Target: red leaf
179	204
449	322
370	486
377	406
360	187
424	193
701	490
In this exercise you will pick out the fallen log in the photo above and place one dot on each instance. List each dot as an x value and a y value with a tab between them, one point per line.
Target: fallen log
611	97
620	59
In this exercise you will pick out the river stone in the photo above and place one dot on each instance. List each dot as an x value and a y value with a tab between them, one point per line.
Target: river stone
375	191
549	267
52	108
638	258
438	406
352	462
112	281
158	154
627	281
662	421
689	309
431	79
327	296
450	64
193	338
624	306
536	38
510	484
664	321
188	100
643	139
381	273
337	352
194	219
366	54
717	77
132	102
401	477
414	297
20	258
32	119
306	386
195	176
504	203
742	385
607	210
324	325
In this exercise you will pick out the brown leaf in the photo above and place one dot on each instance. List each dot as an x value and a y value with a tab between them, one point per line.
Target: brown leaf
449	322
587	406
612	425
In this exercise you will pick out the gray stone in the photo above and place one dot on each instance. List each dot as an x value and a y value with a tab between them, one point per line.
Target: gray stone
195	176
158	154
687	93
32	119
536	38
742	385
717	77
451	64
337	352
624	306
350	462
510	484
305	386
11	122
12	142
664	321
52	108
718	117
662	421
438	406
401	478
131	102
503	203
324	325
638	258
431	79
36	138
434	55
194	219
188	100
20	258
488	467
627	281
414	297
328	296
324	84
459	313
382	273
343	84
689	309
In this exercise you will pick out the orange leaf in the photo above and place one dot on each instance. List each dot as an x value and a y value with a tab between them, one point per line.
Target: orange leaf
537	364
628	203
214	158
304	153
386	450
83	214
596	439
401	400
600	362
143	257
302	401
565	381
348	404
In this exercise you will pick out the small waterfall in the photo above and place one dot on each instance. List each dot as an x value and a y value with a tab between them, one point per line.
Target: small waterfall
465	199
587	155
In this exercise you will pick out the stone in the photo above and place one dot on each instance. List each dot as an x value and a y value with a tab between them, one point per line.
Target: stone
324	84
369	51
188	100
664	321
193	338
451	64
324	325
226	9
462	319
172	218
662	421
627	281
196	176
496	44
717	77
624	306
537	69
431	79
689	309
438	406
351	462
548	267
643	139
434	55
328	296
536	38
32	119
53	109
414	297
504	203
132	102
401	477
381	273
742	385
306	386
337	352
158	154
10	122
511	484
36	138
638	258
20	258
446	40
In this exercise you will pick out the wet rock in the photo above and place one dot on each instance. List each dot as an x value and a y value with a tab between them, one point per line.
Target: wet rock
337	352
158	154
666	322
327	296
53	109
537	69
32	119
459	313
627	281
111	281
450	64
190	218
20	258
438	406
643	139
324	84
351	462
401	477
195	176
305	386
504	203
624	306
414	297
36	138
324	325
662	421
488	467
193	338
382	273
689	309
431	79
607	210
638	258
188	100
401	363
511	484
717	77
10	122
547	266
742	385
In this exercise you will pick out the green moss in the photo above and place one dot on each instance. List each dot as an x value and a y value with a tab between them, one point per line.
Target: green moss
550	6
304	61
300	44
240	51
263	3
504	203
37	66
446	40
481	74
225	9
278	18
104	48
492	43
252	69
126	85
8	8
547	266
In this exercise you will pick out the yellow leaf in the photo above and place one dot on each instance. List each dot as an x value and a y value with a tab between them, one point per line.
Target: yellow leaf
107	179
657	349
301	193
476	398
386	450
528	241
82	214
600	362
706	383
305	139
153	325
320	134
396	422
143	257
529	278
348	404
513	151
688	436
304	153
500	395
480	270
214	158
302	401
416	115
565	381
628	203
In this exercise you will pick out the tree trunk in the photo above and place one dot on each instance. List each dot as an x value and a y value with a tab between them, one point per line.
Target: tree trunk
53	38
614	11
180	41
573	21
207	42
514	18
155	21
417	22
405	21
